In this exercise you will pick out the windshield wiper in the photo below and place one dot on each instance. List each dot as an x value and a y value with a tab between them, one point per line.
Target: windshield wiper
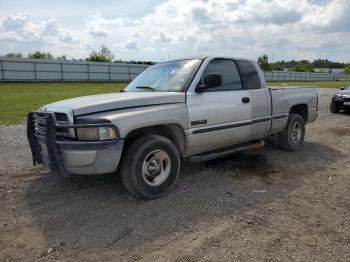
146	87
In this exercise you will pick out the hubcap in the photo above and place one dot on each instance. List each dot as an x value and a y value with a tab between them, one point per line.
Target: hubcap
156	168
296	132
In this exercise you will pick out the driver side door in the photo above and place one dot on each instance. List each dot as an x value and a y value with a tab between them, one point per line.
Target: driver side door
219	116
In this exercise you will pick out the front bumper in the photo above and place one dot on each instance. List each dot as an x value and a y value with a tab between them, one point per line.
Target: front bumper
342	101
71	156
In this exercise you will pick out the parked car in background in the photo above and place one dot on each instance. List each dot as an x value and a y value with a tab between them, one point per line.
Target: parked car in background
199	109
341	100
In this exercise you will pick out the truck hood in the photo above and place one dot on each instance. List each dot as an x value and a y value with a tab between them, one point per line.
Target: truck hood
344	92
97	103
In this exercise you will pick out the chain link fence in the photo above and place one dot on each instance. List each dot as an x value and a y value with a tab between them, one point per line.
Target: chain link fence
37	70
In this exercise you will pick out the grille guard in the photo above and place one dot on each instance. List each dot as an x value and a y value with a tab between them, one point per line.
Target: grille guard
53	144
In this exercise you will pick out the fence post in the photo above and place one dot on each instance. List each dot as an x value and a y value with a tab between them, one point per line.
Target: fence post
62	71
88	71
109	72
34	64
129	73
2	70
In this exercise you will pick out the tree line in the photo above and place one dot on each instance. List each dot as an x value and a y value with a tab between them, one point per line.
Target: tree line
103	55
301	65
106	55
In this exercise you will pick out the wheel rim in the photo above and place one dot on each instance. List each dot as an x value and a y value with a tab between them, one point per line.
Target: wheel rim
156	168
296	132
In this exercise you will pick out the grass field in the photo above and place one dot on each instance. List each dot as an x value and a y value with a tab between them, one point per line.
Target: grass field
16	99
333	84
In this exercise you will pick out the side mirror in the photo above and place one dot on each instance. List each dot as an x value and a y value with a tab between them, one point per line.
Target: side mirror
210	81
342	88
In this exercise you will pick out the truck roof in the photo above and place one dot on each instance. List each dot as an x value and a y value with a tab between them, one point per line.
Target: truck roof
210	57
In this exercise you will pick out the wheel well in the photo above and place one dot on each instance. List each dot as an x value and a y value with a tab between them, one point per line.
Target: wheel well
173	132
300	110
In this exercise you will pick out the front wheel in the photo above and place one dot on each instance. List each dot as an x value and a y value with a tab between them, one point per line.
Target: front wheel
292	137
150	167
334	107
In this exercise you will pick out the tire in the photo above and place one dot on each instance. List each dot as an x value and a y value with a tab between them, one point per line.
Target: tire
292	137
150	167
334	107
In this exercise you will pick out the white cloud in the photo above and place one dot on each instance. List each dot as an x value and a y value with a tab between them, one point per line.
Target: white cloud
27	34
97	25
132	43
68	38
49	27
287	28
161	37
15	22
96	31
20	27
10	36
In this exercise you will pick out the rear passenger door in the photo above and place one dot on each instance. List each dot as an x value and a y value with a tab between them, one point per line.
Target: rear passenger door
259	98
219	116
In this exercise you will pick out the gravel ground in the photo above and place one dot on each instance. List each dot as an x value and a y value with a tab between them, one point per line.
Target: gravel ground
253	206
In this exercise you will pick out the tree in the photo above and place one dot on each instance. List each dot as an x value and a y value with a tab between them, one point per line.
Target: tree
14	55
347	69
40	55
104	55
303	66
263	61
325	63
118	61
62	57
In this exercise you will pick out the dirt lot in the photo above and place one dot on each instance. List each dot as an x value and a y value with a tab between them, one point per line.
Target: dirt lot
254	206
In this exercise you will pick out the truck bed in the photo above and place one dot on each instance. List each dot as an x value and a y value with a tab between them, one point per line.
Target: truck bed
285	97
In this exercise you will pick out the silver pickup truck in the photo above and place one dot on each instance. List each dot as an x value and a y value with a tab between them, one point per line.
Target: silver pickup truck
199	109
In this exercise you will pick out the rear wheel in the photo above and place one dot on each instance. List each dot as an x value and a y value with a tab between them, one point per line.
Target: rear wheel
150	167
334	107
292	137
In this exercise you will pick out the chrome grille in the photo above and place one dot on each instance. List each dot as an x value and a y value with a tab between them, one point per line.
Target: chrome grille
39	119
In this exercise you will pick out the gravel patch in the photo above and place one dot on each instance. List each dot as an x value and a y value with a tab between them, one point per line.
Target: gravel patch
253	206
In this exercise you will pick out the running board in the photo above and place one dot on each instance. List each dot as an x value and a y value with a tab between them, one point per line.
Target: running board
226	151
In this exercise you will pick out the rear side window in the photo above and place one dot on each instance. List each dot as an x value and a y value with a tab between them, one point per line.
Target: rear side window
230	75
249	75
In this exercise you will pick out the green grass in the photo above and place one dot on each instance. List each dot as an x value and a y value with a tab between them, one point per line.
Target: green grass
332	84
17	99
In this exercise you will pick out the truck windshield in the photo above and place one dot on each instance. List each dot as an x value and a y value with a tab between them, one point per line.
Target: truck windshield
174	76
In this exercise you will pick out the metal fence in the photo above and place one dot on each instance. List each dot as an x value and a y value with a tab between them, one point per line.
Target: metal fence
303	76
60	70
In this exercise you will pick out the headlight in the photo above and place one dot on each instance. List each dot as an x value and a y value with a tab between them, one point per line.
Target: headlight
96	133
338	96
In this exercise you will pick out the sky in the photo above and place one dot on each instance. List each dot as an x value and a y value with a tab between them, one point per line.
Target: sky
168	29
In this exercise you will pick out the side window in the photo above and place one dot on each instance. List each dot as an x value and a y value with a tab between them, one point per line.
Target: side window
230	75
249	75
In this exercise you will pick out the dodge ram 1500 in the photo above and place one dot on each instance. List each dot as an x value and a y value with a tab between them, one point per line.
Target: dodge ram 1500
199	108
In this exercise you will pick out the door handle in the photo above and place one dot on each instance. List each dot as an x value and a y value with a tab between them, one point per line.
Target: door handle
245	100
